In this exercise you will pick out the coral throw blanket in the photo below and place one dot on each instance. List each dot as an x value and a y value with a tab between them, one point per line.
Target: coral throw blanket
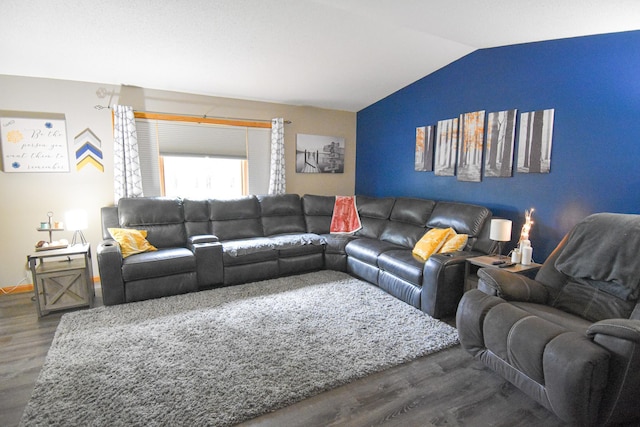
345	216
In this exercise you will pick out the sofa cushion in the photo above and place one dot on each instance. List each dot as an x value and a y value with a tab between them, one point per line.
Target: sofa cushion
282	214
196	216
163	219
235	218
431	242
580	297
160	263
294	244
402	263
455	242
407	221
462	217
553	315
368	250
374	215
131	241
318	211
248	251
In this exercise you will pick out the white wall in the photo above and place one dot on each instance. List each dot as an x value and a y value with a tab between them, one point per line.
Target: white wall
27	197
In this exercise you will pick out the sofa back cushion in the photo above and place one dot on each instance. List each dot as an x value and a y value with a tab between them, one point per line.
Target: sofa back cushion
318	211
464	218
235	218
196	216
162	218
282	214
407	221
374	215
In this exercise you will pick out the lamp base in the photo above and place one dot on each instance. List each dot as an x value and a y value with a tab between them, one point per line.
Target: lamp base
498	251
78	235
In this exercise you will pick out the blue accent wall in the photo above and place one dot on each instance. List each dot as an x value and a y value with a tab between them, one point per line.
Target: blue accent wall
593	83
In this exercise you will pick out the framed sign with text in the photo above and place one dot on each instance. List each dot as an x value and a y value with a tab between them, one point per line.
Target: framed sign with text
33	142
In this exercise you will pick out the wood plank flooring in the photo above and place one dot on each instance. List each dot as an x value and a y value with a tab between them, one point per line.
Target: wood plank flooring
448	388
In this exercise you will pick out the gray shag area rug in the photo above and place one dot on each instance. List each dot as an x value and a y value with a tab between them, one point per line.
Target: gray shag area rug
220	357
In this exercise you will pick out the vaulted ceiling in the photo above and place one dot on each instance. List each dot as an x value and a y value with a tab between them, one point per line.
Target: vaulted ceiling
339	54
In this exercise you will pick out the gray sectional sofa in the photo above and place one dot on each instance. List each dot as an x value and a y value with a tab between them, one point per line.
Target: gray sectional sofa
209	243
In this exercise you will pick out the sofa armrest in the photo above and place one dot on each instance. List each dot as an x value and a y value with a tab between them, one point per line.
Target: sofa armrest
208	252
511	286
110	268
443	283
203	238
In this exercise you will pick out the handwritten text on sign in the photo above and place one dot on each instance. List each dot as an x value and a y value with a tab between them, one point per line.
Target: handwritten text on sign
34	145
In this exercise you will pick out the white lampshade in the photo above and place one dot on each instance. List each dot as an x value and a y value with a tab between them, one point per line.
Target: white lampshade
500	230
76	220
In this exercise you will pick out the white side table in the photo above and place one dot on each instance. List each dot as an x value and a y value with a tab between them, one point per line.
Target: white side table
62	278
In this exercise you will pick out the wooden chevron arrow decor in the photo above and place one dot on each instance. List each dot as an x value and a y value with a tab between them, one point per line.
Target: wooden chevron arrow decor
88	152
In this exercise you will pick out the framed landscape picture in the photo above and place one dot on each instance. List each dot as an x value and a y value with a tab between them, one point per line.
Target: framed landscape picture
319	154
424	148
446	148
501	134
470	147
534	141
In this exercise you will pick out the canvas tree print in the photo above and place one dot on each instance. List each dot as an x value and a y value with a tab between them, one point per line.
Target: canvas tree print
424	148
446	148
500	141
534	141
470	147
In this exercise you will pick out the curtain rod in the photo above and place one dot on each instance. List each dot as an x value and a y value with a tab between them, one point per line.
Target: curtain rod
194	118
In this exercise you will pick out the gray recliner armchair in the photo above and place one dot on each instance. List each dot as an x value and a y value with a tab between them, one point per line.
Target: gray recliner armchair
570	339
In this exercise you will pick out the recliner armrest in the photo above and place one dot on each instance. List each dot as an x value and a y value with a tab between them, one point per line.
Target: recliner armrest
511	286
627	329
110	268
621	338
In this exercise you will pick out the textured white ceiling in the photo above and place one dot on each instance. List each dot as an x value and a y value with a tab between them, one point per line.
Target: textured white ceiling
341	54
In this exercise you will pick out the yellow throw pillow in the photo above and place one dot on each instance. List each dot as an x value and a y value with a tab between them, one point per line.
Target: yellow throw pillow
455	243
432	241
131	241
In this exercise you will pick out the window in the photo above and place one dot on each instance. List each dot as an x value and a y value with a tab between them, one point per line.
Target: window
203	177
202	160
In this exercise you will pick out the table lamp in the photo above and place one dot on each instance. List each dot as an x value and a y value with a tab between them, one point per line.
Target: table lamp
77	221
500	232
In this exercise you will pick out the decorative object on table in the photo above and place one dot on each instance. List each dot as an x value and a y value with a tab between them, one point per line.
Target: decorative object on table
33	142
526	252
524	245
534	141
500	141
470	147
500	232
50	226
424	148
446	148
77	221
319	154
88	152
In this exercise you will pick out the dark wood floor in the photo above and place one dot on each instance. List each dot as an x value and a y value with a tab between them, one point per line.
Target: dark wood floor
444	389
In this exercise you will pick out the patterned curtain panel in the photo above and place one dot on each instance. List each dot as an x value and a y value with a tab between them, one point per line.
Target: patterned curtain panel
277	181
127	176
